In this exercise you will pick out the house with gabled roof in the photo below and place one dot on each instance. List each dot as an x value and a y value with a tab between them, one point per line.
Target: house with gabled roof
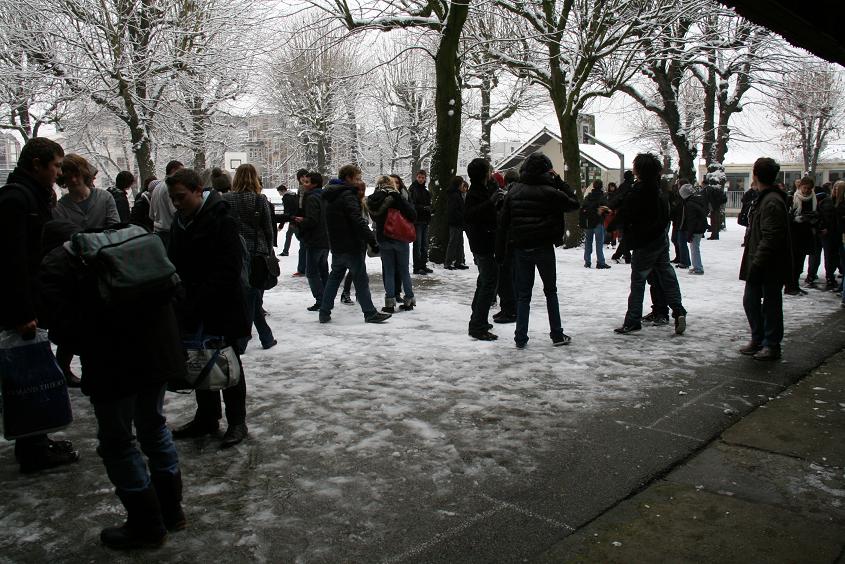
594	163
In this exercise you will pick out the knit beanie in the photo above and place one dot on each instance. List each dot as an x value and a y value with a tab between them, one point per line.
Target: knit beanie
686	191
536	164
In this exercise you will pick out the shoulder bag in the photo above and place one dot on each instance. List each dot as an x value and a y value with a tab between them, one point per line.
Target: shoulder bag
264	269
396	226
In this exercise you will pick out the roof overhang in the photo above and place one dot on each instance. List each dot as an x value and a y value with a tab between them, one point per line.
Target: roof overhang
812	25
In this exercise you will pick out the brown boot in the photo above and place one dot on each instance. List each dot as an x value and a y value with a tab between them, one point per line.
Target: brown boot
768	353
751	348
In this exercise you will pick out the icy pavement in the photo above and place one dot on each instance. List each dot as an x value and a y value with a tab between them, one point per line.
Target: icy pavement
371	442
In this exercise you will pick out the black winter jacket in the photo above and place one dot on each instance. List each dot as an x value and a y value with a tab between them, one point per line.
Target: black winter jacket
421	198
122	351
827	214
480	217
312	230
454	207
140	214
532	214
590	207
23	212
380	202
348	230
208	255
766	256
644	214
121	202
694	215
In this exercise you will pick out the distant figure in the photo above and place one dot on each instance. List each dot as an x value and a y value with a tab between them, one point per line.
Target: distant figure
161	208
122	184
480	221
140	214
593	223
421	198
220	180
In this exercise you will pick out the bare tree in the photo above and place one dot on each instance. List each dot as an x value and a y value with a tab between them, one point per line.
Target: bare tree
500	96
409	93
444	19
31	95
314	81
809	105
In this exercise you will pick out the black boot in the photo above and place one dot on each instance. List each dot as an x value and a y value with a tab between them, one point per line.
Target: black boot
144	527
168	488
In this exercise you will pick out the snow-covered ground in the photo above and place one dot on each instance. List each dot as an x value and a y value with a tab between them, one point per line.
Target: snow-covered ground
352	424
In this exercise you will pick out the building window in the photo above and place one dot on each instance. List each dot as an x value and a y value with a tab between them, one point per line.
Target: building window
234	163
835	175
737	182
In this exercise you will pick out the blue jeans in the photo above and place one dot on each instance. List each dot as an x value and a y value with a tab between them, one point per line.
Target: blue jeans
524	262
255	305
421	246
683	249
763	305
121	457
354	262
317	271
485	291
394	259
695	252
653	258
596	232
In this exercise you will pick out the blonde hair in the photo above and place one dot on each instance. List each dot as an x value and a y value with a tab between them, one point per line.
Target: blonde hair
839	188
385	183
246	179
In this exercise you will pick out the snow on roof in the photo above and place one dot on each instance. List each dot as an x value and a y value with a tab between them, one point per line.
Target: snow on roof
590	153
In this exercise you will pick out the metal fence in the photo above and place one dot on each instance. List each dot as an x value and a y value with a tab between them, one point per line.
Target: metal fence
734	202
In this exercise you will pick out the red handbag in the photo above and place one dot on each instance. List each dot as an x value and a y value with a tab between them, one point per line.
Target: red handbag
399	228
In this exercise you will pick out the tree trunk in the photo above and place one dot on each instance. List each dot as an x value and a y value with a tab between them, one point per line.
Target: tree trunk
708	146
448	106
486	125
568	124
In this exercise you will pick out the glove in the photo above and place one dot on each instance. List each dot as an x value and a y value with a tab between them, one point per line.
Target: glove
376	248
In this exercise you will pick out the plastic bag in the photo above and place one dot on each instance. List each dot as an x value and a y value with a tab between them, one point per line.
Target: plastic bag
34	398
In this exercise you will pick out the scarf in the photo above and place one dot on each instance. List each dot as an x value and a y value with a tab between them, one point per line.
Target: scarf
798	201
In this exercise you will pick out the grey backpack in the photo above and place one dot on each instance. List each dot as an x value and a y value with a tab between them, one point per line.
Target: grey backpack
129	264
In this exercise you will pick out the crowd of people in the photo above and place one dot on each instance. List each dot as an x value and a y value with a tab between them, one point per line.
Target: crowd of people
213	227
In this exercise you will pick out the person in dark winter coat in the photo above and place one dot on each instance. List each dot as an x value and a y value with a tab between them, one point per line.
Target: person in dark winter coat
128	353
615	202
140	214
766	263
207	252
645	220
314	236
122	183
421	199
394	253
826	241
455	217
693	225
745	205
254	215
290	205
480	222
349	236
506	288
805	217
24	209
592	220
532	223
